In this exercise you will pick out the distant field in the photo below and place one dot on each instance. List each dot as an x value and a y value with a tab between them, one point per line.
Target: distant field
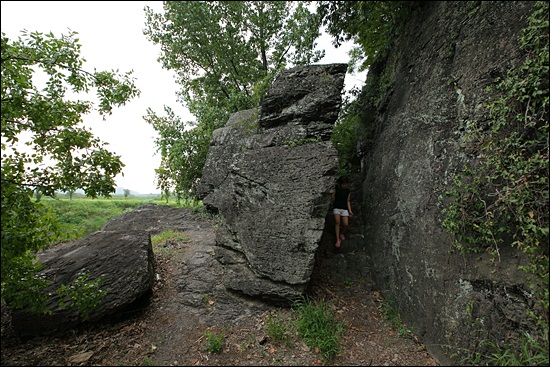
82	216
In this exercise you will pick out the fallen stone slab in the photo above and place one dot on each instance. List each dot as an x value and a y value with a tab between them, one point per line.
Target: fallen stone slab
124	260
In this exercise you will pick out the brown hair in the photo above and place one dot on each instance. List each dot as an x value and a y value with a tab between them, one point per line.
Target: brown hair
342	180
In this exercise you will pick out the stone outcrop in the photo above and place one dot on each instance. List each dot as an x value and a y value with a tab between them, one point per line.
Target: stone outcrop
269	173
124	260
304	95
414	145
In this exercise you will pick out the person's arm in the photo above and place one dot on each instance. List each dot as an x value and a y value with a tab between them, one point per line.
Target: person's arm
349	205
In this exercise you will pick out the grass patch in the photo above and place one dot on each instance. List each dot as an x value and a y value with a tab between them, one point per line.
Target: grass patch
277	330
318	327
526	351
148	362
166	241
214	341
394	317
82	216
166	237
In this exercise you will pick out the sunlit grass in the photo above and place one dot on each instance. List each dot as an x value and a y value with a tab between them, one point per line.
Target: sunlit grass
82	216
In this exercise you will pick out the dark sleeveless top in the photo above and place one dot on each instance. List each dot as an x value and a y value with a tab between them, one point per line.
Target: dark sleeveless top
341	198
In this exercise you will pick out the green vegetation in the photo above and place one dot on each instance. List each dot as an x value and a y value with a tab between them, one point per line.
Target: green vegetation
83	294
503	199
83	216
345	136
527	351
248	127
298	142
164	242
46	149
214	341
310	320
79	217
168	236
148	362
233	73
318	327
391	310
277	330
372	25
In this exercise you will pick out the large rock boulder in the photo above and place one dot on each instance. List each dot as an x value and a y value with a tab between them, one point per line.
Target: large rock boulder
304	95
269	173
124	259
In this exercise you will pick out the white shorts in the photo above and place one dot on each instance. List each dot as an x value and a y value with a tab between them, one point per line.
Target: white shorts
340	212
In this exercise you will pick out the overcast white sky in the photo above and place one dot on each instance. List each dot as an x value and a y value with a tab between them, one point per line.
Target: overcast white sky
111	35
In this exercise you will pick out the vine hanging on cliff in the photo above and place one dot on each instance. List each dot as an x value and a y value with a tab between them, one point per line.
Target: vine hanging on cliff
504	199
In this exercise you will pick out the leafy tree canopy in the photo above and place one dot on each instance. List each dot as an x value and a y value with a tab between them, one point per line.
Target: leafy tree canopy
222	53
46	148
372	25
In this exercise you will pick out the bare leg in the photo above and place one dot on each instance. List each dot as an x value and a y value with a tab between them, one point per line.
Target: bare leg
345	225
337	228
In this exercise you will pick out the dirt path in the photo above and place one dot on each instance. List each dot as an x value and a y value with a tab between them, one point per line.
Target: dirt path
187	303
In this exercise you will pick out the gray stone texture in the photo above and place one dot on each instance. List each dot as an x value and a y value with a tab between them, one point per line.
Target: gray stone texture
303	95
125	261
269	174
414	145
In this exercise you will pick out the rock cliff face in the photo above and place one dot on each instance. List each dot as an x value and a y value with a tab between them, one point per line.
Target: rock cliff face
447	55
269	173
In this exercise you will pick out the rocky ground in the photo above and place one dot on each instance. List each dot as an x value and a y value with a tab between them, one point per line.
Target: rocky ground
172	325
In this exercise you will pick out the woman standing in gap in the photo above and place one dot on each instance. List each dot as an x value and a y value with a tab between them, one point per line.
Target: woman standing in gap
341	209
